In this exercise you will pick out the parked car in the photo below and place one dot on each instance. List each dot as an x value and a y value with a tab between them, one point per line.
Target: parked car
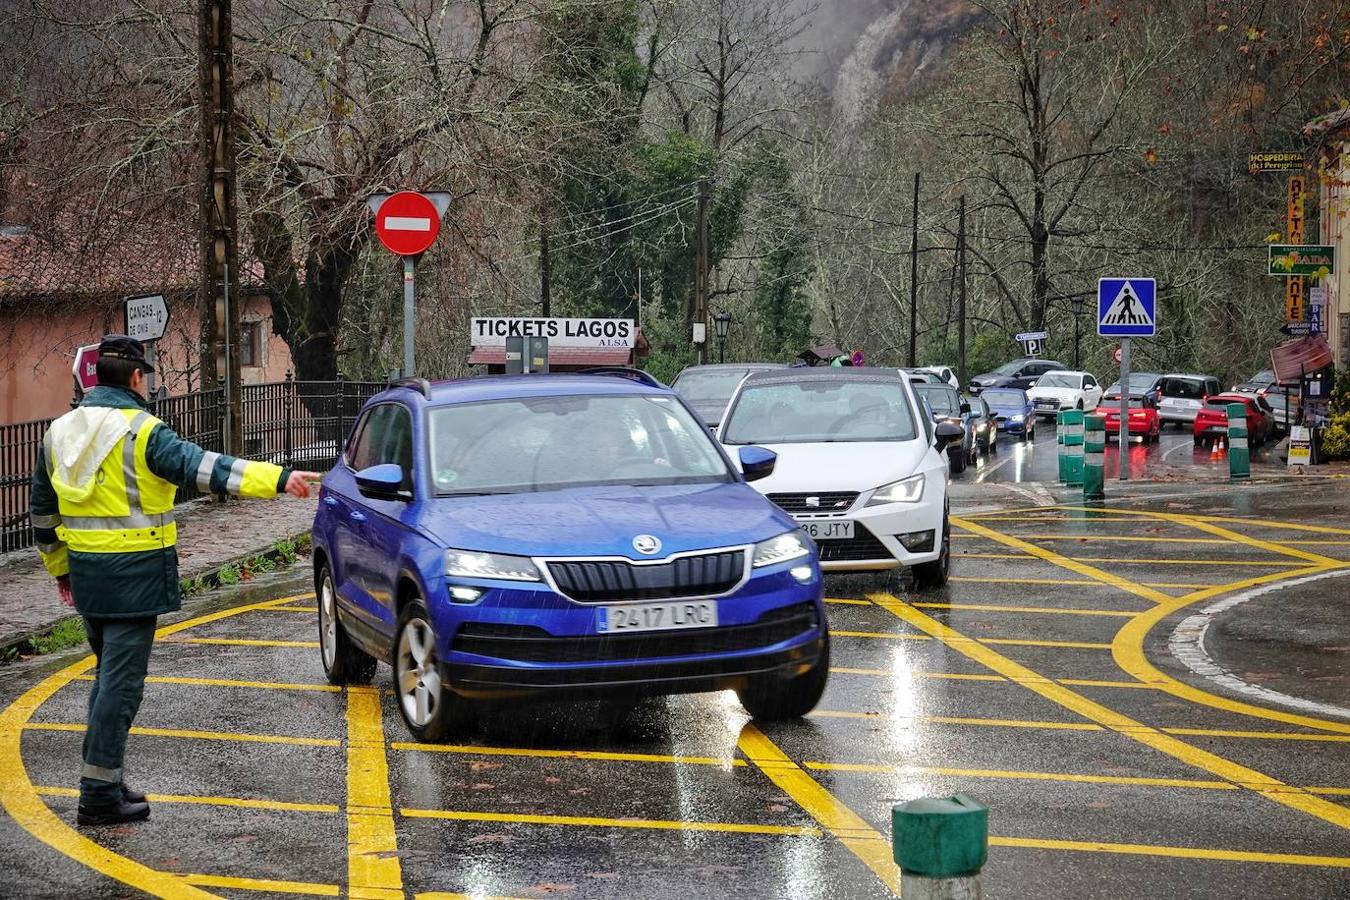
944	373
1140	383
1012	410
859	466
1064	389
1212	419
1144	419
1183	396
708	388
1283	399
984	424
922	376
1019	373
947	406
571	534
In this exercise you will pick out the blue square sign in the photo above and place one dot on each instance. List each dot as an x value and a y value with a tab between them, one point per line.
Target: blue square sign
1126	307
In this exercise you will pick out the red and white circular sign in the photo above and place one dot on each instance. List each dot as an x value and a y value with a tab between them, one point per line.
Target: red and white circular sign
407	223
1117	354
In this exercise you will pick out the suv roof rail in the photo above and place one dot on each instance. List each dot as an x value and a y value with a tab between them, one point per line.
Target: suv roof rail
421	385
628	372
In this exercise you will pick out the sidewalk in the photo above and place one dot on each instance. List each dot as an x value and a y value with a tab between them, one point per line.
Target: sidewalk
209	535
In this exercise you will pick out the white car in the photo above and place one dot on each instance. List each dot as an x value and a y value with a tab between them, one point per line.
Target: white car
860	465
946	373
1064	390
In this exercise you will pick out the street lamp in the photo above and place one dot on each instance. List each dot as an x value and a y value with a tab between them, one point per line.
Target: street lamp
722	324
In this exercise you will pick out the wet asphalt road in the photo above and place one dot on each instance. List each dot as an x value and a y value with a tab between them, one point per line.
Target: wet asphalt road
1042	680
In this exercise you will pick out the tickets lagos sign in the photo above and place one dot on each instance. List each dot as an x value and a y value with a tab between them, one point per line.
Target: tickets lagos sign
491	331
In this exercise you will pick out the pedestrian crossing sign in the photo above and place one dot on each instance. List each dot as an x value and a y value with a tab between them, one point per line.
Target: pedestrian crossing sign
1126	307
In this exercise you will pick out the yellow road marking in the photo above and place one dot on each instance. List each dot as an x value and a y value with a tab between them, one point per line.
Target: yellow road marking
861	839
1020	642
959	720
1261	735
954	676
1080	582
1141	562
291	609
461	815
1092	682
20	799
1110	538
1128	646
1252	780
1013	775
196	735
226	682
994	607
238	802
471	750
241	642
373	867
891	635
1293	859
1266	523
846	602
1329	791
262	884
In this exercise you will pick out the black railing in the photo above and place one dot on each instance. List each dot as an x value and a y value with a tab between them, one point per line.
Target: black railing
290	423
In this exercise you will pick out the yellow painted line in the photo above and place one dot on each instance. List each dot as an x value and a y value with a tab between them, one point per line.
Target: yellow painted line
845	602
230	683
1292	859
890	635
291	609
1267	523
1020	642
1048	610
21	801
240	642
960	720
462	815
890	673
192	799
1329	791
470	750
1105	538
1092	682
1014	775
1257	782
196	735
862	840
1079	582
1141	562
373	867
311	888
1261	735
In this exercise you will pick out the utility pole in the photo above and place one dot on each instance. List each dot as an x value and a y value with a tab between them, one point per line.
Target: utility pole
545	263
961	293
914	279
699	319
219	254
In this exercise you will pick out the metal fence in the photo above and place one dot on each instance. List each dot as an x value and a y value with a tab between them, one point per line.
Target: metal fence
290	423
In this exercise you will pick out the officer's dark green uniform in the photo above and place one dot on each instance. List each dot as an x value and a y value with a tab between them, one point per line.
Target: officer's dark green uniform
102	508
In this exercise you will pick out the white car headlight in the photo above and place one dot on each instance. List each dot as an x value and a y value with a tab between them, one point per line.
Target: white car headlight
470	564
1016	417
786	546
907	490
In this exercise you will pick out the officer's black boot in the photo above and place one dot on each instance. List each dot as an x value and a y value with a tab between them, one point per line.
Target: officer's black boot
114	813
130	795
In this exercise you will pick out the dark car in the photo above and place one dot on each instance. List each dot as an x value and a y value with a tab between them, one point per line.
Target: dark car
1019	373
1141	383
1012	410
984	424
708	389
949	406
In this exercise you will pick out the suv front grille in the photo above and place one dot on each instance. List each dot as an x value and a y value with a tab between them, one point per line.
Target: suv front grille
527	643
826	501
599	581
863	545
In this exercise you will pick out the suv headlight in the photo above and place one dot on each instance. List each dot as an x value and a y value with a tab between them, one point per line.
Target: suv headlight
471	564
788	545
906	490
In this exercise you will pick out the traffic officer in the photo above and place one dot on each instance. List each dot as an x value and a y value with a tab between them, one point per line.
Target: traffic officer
102	510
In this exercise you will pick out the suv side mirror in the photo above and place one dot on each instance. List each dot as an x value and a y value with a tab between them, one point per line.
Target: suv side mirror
946	434
757	463
965	407
382	482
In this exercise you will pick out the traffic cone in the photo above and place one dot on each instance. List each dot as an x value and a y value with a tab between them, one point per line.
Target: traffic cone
1223	448
1214	450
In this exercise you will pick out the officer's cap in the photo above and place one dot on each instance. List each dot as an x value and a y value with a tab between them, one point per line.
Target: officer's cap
119	346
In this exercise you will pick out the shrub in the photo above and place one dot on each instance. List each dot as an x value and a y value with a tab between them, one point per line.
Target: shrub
1336	437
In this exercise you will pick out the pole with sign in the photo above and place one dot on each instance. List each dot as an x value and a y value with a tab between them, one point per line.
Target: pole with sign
407	223
146	318
1126	308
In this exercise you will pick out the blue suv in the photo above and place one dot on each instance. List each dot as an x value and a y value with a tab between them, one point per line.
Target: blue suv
559	535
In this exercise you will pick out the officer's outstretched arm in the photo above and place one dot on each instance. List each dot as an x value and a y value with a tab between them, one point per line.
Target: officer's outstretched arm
187	465
44	512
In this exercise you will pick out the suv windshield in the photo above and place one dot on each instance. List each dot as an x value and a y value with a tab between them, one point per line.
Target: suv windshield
820	410
698	386
548	443
996	397
1187	388
1060	380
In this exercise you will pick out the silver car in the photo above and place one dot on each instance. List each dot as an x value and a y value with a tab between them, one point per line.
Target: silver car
1184	395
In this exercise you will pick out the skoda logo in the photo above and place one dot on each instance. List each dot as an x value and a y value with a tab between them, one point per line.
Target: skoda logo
646	544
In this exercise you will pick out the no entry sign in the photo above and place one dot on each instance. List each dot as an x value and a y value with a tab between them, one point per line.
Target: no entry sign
407	223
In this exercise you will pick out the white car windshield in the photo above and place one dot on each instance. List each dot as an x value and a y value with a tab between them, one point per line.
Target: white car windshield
820	410
1060	380
549	443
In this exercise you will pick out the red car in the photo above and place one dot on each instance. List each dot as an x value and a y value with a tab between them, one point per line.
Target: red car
1212	419
1144	418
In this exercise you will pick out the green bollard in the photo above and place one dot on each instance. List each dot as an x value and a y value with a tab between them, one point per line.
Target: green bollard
1059	446
1094	459
1239	453
940	845
1073	447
